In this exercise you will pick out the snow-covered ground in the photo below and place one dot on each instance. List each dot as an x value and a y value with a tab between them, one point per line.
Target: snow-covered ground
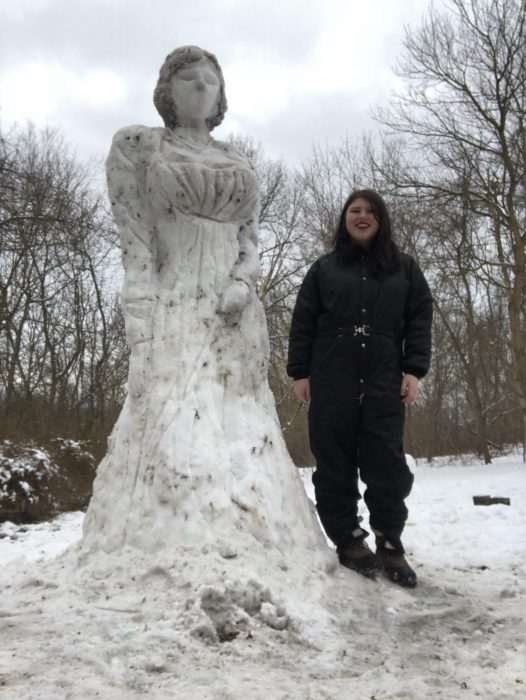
460	634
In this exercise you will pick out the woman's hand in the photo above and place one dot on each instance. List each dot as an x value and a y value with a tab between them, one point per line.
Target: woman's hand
409	389
302	389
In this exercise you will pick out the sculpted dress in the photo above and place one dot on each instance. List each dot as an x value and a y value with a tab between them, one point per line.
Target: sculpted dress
197	453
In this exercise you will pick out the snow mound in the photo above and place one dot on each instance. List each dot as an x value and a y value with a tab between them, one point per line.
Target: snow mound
227	623
36	483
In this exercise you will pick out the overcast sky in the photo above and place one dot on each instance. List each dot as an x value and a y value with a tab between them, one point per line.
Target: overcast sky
296	71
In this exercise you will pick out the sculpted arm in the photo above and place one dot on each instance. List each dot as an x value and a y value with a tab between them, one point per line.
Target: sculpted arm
247	268
245	273
126	173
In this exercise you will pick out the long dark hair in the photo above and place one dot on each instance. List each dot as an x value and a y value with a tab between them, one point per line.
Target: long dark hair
383	254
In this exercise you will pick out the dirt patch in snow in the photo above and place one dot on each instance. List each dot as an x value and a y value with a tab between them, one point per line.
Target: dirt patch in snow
37	483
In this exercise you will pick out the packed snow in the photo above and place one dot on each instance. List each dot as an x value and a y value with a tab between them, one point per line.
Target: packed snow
29	462
225	626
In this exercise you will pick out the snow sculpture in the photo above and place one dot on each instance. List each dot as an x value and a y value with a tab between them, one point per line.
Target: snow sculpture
197	454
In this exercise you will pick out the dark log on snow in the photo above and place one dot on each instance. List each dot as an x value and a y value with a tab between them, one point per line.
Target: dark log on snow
489	500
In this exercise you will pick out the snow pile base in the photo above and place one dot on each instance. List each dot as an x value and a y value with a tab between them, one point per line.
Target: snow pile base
226	623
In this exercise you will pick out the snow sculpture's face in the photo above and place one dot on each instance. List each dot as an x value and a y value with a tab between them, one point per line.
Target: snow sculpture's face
362	224
195	91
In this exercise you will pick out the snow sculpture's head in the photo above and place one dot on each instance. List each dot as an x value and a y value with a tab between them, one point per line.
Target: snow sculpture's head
179	61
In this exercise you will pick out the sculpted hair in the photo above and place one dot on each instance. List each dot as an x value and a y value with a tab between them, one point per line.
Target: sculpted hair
384	255
162	96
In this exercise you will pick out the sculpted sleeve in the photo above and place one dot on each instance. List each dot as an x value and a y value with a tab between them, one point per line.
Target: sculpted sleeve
126	173
247	267
418	320
245	272
303	327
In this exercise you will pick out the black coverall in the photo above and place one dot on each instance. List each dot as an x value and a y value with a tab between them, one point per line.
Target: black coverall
355	335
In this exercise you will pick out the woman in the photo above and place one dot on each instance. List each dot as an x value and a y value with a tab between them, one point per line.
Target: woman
360	340
196	455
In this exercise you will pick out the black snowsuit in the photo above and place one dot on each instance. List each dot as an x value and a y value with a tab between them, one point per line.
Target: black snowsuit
355	335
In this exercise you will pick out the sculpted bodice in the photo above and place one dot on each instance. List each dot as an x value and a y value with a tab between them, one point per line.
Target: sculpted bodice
187	215
215	182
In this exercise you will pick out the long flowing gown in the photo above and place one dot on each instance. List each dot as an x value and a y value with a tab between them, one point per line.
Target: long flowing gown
197	454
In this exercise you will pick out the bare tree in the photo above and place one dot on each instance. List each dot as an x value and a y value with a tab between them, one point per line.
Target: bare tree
56	302
462	115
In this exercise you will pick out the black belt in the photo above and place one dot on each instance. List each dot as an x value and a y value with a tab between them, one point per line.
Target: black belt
359	331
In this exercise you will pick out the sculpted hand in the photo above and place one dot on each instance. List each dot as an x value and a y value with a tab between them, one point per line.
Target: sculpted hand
409	388
302	389
234	298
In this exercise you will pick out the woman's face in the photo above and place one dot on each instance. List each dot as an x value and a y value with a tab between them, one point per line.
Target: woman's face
195	91
361	222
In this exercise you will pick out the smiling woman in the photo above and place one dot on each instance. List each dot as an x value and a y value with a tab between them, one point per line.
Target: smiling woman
360	341
361	221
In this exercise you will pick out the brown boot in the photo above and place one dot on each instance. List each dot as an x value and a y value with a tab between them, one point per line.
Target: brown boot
393	562
355	554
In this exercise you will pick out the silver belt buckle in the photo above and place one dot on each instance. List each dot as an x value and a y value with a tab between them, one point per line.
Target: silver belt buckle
361	330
